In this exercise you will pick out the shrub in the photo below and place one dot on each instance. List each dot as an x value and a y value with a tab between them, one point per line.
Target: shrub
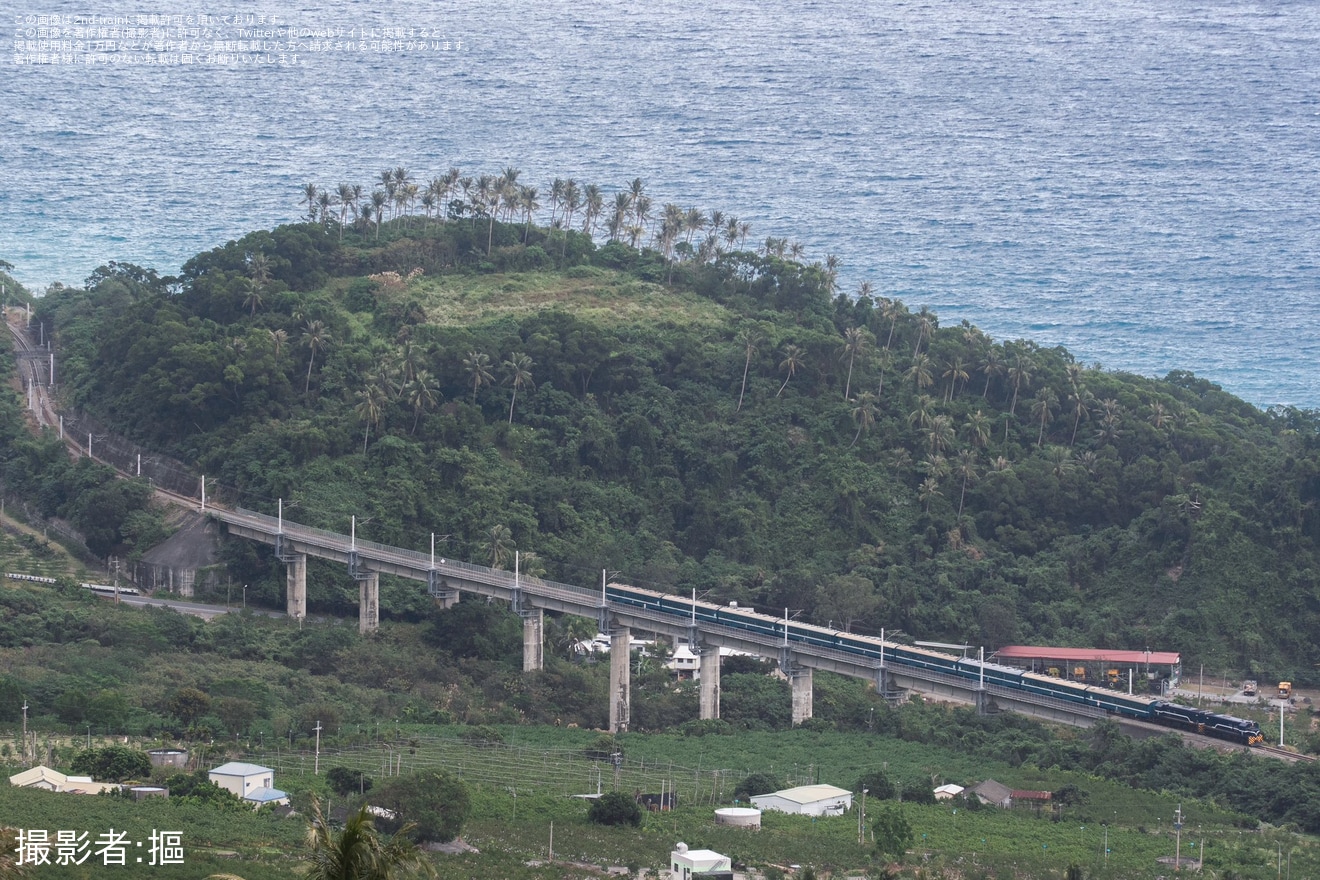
345	782
436	802
877	785
757	783
615	808
893	834
112	764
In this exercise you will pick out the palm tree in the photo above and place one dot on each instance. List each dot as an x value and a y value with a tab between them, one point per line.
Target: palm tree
919	371
891	311
920	417
642	215
926	323
315	336
277	340
928	491
593	203
378	201
556	193
956	372
1042	409
977	429
421	395
477	364
635	197
832	271
310	192
371	403
793	355
1020	375
1060	459
1158	415
527	201
731	231
518	373
992	365
886	359
965	467
694	220
324	202
1110	421
941	434
751	339
1081	404
744	228
253	298
344	196
855	343
864	413
619	217
359	852
498	538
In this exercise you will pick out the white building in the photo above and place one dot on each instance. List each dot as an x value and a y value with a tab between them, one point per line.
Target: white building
807	800
44	777
685	863
252	782
948	791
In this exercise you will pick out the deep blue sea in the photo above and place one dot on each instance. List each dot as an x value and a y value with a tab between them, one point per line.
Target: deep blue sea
1137	181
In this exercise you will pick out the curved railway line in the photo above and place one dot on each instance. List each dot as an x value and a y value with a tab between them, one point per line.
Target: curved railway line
804	637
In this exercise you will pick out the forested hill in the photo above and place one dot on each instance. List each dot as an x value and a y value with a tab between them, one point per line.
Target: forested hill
715	418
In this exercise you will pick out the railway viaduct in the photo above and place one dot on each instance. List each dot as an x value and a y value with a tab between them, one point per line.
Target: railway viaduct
531	597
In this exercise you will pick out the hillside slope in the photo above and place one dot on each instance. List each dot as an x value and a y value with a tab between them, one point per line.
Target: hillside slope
724	422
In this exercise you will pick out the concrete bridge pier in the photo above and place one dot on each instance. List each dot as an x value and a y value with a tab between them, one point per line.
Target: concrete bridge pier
444	595
710	682
296	581
620	680
369	602
800	678
533	639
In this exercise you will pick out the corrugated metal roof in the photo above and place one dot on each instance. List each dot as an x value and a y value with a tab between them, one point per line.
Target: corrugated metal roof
1096	655
809	794
238	768
265	795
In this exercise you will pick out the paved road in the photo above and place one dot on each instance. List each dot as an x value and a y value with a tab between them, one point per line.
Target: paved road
197	609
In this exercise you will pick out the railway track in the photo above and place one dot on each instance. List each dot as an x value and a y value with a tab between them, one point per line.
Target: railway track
1284	754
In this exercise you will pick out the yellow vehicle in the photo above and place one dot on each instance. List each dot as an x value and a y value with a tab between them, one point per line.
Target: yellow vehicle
1285	690
1113	677
1079	673
1054	672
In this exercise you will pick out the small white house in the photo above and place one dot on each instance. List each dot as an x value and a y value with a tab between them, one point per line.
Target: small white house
252	782
807	800
44	777
948	791
685	863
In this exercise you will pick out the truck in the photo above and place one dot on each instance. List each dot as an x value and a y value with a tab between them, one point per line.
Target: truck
1249	688
1285	690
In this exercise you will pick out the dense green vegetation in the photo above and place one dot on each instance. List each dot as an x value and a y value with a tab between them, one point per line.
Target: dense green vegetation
710	418
718	420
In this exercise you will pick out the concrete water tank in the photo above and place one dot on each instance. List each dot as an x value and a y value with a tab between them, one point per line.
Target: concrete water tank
741	817
141	792
173	758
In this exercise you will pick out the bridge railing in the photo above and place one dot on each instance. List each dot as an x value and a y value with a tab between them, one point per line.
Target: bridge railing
422	561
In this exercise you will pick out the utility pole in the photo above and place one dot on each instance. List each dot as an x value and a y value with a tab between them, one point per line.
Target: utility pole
316	766
1177	828
25	708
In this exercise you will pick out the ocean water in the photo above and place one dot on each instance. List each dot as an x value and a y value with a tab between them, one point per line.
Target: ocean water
1136	181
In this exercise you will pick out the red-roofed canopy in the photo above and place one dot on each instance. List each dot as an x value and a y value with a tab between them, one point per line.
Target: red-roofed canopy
1088	655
